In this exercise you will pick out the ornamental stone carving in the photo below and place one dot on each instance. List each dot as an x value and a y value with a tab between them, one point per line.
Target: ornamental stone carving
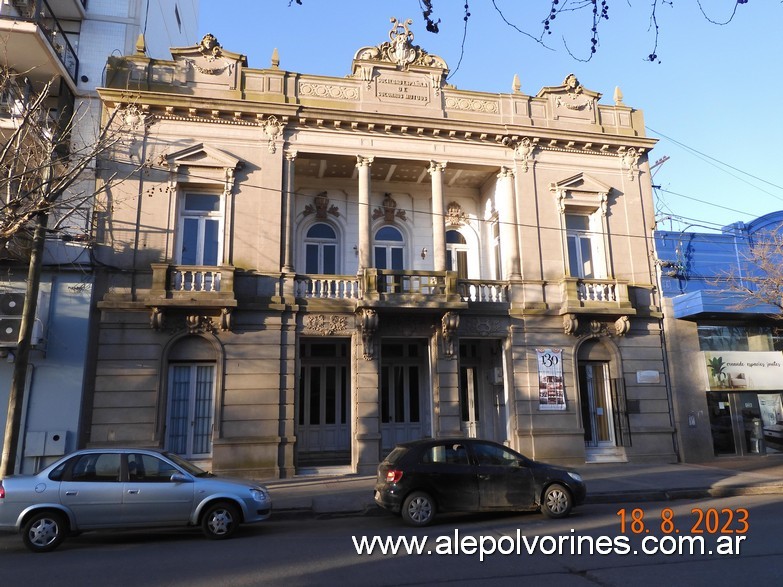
523	152
328	91
622	326
472	105
325	325
389	210
320	207
400	50
455	215
570	324
368	324
630	161
272	129
449	326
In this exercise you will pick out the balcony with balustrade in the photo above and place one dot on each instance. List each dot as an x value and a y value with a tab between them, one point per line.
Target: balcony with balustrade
440	290
192	286
595	296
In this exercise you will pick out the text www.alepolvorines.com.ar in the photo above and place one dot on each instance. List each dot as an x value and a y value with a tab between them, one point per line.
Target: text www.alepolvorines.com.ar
573	544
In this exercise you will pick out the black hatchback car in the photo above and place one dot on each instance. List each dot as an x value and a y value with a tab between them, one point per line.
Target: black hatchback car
420	478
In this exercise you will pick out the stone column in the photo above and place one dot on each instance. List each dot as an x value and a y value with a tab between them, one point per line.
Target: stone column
438	216
365	257
289	211
509	236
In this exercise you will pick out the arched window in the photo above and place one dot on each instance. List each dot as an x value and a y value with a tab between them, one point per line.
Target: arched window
321	250
457	253
389	247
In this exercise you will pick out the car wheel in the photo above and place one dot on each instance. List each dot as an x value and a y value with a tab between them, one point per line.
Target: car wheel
44	531
418	509
220	520
557	502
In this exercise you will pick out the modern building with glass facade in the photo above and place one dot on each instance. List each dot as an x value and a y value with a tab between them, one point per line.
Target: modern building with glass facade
724	337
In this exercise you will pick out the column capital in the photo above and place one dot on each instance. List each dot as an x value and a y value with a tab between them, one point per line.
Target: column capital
364	160
436	166
505	172
291	154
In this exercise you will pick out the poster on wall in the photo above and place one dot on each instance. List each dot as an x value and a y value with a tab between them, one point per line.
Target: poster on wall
551	392
743	370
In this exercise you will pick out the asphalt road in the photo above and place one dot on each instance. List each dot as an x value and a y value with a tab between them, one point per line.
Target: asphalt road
309	551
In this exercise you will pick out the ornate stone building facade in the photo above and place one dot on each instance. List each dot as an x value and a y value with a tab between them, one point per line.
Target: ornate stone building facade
312	269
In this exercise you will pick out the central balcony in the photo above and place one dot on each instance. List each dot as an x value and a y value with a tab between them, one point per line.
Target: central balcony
401	289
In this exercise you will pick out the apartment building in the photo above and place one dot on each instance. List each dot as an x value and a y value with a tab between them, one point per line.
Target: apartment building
65	42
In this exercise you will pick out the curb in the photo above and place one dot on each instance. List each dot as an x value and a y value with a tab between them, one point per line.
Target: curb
370	509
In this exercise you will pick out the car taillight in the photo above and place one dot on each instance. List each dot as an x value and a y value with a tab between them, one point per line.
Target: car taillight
2	490
393	476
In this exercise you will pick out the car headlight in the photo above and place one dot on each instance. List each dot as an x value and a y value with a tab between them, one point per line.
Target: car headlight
259	494
575	476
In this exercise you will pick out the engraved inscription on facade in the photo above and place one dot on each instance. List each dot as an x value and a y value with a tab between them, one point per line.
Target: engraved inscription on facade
396	89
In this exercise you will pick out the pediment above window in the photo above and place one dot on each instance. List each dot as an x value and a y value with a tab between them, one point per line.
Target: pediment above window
581	192
201	164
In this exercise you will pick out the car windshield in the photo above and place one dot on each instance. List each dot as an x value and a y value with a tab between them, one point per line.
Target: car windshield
187	465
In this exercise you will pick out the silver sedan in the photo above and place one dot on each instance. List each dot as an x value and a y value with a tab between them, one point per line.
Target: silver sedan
125	488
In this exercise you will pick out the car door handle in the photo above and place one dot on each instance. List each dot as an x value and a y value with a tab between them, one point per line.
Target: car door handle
71	492
133	491
483	477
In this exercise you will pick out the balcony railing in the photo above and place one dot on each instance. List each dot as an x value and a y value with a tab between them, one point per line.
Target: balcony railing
196	283
475	290
605	295
335	287
39	12
411	284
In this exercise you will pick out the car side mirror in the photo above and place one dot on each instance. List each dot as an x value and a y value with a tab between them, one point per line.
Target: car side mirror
179	478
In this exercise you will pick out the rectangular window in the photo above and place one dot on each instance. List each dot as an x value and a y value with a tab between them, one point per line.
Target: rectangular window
581	246
200	226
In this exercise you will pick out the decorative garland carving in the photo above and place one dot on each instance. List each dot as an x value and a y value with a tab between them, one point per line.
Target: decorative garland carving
481	326
326	325
574	90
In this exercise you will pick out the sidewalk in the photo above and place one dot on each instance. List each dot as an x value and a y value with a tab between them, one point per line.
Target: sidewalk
606	483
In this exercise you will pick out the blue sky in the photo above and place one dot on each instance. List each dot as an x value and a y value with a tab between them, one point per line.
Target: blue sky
715	100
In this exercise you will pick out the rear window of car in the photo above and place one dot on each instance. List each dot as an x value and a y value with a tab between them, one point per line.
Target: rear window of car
395	455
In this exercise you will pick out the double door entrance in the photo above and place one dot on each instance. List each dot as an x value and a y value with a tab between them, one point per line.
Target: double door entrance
323	408
404	393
